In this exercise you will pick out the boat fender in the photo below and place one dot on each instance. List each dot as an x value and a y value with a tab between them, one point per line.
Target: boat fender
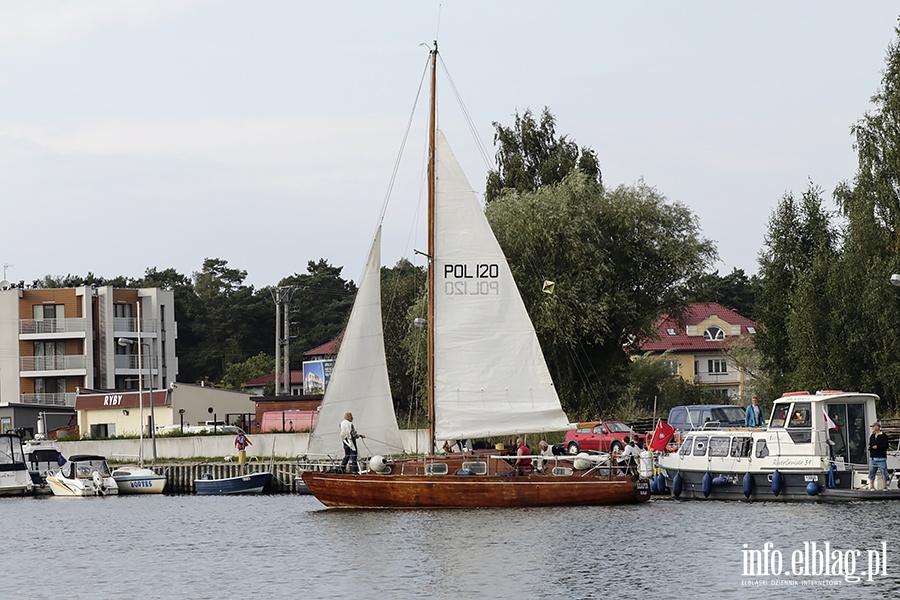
654	488
661	483
748	484
831	472
706	485
646	465
720	480
582	461
777	482
377	464
677	484
812	488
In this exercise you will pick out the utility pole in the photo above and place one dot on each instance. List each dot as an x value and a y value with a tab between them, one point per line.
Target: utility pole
276	296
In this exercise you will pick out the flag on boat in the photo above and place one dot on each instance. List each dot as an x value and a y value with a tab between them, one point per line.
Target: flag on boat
831	424
661	436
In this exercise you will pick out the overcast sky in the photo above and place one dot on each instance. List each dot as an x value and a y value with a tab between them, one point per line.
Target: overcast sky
156	134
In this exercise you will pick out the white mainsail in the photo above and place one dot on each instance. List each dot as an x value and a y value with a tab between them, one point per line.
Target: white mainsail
359	381
490	375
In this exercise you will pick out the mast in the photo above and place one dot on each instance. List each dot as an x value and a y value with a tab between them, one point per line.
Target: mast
431	186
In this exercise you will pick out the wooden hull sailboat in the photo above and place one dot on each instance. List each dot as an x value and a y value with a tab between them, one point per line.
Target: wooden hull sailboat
487	378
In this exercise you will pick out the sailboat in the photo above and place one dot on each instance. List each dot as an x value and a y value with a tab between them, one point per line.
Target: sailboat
487	378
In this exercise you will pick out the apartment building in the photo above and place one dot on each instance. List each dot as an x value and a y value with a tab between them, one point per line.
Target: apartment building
57	343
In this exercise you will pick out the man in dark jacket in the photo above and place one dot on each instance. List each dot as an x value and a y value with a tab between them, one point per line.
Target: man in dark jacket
878	444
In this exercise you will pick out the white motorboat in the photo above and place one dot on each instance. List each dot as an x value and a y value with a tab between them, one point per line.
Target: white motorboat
83	475
813	448
138	480
14	476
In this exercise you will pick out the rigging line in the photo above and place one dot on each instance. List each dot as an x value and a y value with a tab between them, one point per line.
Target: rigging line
387	196
467	116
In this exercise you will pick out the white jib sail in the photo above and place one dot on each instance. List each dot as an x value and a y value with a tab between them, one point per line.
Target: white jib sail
490	375
359	381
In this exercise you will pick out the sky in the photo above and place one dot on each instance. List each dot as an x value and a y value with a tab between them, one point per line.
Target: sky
147	134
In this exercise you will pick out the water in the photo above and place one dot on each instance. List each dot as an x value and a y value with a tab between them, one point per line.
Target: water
288	546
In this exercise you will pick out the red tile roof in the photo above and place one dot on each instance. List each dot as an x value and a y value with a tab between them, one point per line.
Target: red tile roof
296	379
327	349
695	314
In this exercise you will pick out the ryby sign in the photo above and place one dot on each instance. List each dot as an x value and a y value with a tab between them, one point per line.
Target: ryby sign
118	400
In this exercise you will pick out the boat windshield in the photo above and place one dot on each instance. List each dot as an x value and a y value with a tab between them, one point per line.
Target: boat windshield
85	468
11	450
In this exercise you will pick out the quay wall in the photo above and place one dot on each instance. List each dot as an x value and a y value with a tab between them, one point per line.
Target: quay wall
184	459
214	447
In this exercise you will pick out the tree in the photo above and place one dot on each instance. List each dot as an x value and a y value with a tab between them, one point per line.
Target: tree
233	322
401	288
529	155
237	373
320	306
619	258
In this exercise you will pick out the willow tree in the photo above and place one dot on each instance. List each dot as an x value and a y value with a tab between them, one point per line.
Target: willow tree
617	259
530	155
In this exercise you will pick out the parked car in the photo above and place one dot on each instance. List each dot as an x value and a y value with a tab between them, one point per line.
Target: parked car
698	416
605	436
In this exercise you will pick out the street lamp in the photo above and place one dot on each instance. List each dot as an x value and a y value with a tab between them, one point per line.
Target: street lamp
895	279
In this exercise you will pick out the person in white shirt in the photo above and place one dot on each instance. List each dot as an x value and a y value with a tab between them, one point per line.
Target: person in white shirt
628	457
348	438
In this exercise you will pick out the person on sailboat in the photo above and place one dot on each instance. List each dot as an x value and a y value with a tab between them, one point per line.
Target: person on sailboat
523	463
349	436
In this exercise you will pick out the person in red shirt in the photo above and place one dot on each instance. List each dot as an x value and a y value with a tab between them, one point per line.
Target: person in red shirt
523	463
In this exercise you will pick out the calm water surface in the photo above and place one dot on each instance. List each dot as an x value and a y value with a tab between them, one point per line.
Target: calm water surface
288	546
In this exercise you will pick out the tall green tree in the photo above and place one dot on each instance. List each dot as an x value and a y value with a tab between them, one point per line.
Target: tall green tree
618	259
530	155
871	253
235	321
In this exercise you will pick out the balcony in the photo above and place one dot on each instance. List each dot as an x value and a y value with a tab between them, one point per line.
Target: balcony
718	378
58	366
129	362
32	329
64	399
126	325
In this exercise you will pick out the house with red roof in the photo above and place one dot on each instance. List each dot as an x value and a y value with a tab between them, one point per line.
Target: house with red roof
695	346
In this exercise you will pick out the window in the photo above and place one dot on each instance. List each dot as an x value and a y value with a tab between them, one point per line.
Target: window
716	365
751	329
762	450
719	446
672	366
714	334
740	446
121	310
49	311
436	469
686	446
671	331
779	415
700	445
476	468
